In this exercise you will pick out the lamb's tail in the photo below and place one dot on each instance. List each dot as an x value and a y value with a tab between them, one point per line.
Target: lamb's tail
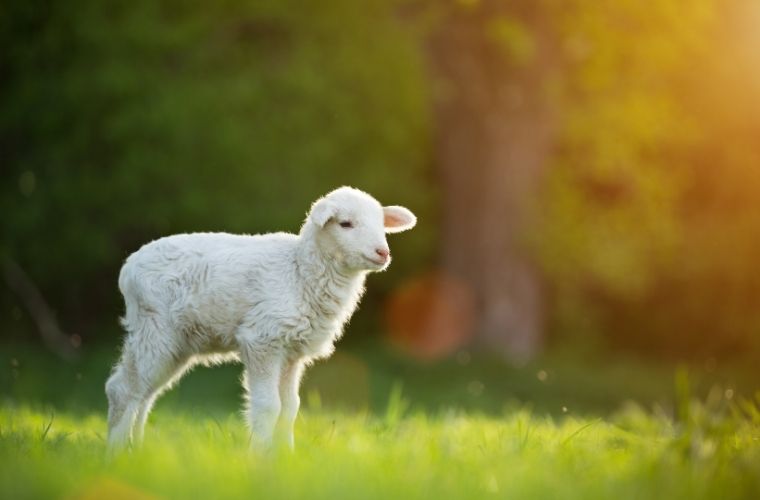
126	287
126	276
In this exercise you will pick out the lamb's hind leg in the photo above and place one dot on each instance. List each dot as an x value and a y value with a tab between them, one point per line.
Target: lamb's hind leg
121	407
145	367
164	380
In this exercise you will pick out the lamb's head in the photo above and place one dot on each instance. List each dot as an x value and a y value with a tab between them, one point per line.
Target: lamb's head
350	226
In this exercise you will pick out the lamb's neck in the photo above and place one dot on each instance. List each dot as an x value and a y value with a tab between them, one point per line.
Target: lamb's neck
329	289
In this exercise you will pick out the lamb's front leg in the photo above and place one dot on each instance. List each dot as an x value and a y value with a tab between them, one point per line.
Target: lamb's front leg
289	382
262	379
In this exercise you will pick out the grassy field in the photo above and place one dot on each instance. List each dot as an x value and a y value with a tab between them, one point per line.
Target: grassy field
52	432
49	455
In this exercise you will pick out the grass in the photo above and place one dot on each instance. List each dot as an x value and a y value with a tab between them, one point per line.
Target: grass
389	440
45	454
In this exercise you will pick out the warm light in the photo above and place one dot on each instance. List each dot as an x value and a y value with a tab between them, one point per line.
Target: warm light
431	316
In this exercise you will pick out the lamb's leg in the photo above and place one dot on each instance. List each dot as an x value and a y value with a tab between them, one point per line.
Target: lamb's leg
262	378
122	408
142	418
144	368
289	382
175	368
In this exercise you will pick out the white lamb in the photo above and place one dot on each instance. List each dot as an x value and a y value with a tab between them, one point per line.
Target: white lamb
275	301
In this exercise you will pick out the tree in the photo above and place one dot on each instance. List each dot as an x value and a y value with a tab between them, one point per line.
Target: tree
122	122
494	132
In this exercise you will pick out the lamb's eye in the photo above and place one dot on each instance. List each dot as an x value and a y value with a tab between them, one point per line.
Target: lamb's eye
346	224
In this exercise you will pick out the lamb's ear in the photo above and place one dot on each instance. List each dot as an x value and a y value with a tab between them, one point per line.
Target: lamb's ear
322	211
397	219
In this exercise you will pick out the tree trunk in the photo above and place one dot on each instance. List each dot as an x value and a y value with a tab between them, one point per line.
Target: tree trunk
20	283
492	141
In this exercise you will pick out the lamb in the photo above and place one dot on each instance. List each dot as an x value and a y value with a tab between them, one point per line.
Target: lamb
276	302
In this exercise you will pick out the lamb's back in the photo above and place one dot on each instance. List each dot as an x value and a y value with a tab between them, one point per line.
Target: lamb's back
205	263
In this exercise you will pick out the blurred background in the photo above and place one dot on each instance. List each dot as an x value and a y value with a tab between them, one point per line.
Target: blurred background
586	176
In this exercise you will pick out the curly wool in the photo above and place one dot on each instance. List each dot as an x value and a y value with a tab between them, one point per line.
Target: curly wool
275	301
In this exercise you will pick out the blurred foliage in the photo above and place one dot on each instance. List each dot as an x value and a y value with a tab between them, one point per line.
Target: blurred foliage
125	121
650	218
363	377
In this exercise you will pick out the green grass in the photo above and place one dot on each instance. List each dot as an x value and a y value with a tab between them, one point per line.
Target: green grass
713	453
377	426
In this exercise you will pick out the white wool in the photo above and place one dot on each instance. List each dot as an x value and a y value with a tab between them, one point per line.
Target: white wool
274	301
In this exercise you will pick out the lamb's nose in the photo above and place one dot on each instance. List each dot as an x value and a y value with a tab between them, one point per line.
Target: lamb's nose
382	252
